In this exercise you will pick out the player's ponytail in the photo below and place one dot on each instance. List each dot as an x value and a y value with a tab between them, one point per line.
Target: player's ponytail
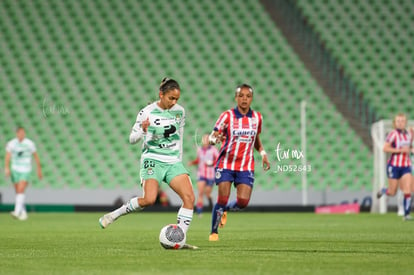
168	84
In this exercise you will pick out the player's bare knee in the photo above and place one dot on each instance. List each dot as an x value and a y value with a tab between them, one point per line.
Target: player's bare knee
147	201
222	200
242	203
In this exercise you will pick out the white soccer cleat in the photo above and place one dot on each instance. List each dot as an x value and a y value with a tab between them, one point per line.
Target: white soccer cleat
408	218
14	215
106	220
23	216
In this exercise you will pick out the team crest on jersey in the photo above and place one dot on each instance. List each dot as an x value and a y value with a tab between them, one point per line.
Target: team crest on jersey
177	118
218	174
150	171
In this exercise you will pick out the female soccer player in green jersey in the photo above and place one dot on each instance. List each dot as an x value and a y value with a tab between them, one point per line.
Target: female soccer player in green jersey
20	151
160	125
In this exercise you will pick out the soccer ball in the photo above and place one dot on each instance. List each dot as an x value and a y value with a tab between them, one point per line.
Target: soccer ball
172	237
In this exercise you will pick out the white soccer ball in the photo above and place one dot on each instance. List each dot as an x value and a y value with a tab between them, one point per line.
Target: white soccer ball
172	237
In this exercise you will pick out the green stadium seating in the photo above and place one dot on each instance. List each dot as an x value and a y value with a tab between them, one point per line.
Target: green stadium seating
77	72
372	40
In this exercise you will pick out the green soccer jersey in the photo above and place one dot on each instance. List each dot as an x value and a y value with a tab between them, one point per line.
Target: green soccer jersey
164	138
21	154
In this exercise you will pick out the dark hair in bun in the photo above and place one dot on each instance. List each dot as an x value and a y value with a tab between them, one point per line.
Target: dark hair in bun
168	84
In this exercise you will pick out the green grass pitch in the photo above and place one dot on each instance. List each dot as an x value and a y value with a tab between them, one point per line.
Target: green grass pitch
251	243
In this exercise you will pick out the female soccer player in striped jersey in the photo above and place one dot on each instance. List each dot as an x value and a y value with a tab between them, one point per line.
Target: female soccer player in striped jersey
206	157
239	131
160	125
398	143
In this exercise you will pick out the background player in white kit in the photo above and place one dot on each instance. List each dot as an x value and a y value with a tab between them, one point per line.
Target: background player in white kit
160	125
20	151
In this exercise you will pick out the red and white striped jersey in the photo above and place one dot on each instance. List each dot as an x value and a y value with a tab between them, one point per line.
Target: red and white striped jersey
205	160
399	139
236	152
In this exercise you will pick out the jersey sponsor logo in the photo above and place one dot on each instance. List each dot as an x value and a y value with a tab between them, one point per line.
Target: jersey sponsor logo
163	145
169	130
244	140
164	120
244	133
